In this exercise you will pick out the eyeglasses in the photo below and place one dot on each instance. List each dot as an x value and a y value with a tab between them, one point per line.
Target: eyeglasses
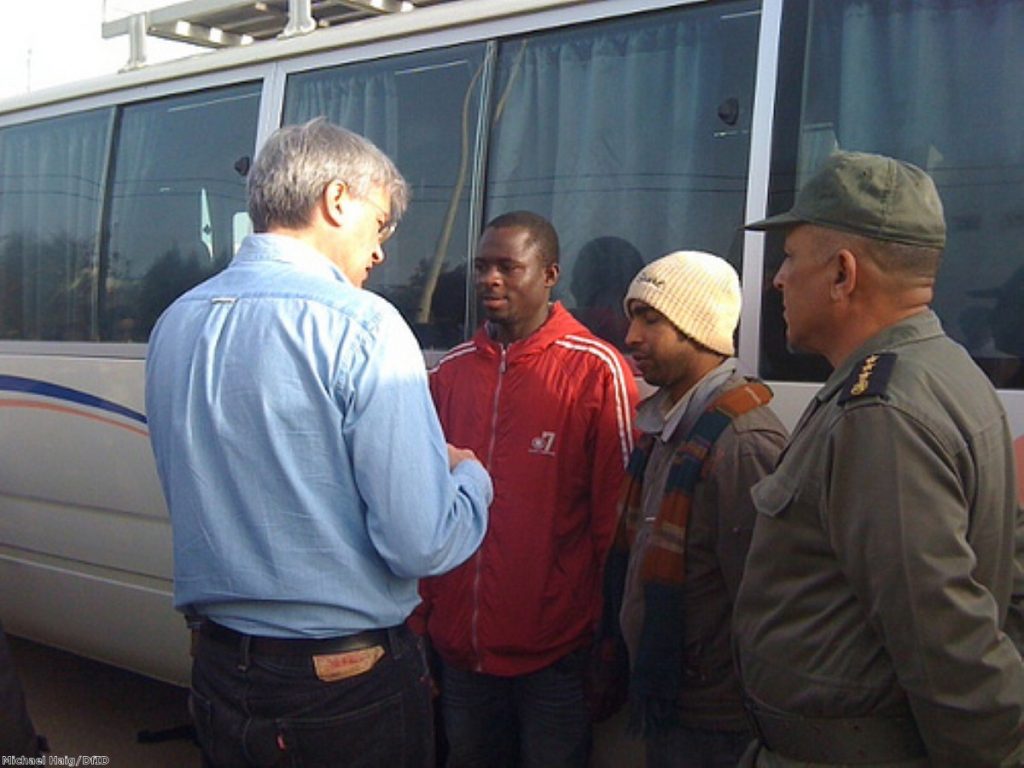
387	229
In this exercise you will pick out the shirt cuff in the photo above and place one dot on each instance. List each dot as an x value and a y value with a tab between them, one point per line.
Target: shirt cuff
472	473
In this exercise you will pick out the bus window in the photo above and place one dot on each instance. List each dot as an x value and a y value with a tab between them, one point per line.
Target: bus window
933	82
205	225
241	227
174	195
51	190
633	137
421	109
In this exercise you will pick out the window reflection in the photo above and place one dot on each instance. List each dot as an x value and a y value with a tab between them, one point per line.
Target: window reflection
636	129
601	275
175	198
993	330
50	197
951	105
421	110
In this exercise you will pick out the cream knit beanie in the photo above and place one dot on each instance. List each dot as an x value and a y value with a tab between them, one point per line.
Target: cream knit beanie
697	292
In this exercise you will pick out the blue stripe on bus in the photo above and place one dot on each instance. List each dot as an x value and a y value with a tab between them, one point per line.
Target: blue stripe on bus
46	389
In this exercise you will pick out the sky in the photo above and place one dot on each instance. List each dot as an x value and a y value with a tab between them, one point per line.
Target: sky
61	41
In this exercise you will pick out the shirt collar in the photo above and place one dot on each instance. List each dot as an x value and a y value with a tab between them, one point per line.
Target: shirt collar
270	247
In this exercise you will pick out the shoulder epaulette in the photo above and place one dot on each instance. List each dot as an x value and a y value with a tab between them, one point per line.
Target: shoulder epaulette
869	377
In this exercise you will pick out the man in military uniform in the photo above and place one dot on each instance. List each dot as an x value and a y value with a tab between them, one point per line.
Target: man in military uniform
879	620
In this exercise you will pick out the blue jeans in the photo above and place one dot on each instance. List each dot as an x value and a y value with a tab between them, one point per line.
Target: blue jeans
539	720
696	748
261	710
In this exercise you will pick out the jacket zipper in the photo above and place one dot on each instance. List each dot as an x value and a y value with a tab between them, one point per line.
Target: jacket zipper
502	367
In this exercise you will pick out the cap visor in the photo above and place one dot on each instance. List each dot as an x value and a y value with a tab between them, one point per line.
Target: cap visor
786	219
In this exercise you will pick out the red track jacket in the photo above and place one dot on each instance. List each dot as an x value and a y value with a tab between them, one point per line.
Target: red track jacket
551	417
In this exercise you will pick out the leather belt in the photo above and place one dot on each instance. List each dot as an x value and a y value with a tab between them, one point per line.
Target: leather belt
848	740
299	646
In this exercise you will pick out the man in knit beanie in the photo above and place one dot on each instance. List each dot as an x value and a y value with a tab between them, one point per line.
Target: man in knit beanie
672	576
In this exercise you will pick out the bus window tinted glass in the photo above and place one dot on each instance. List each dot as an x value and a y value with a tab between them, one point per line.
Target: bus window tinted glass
51	190
178	185
937	83
422	111
632	136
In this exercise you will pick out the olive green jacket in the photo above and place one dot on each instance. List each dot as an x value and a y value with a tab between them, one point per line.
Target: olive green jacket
717	537
883	576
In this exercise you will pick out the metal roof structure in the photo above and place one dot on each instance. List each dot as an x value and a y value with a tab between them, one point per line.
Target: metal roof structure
228	23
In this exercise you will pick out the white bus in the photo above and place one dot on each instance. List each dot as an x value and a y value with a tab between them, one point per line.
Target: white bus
637	126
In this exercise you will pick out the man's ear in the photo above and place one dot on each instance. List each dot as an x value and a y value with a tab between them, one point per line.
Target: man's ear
334	201
551	273
844	280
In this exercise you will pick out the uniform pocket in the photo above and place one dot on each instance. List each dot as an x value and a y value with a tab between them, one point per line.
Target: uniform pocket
796	497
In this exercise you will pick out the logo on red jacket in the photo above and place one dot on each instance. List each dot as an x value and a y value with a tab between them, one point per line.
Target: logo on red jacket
543	444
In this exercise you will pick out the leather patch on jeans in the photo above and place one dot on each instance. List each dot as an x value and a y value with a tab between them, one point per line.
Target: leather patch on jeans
331	667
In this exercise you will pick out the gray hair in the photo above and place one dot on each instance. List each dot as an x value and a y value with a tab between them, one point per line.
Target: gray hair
900	261
298	162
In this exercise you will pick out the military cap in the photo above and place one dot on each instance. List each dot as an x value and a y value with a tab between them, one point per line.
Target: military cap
870	195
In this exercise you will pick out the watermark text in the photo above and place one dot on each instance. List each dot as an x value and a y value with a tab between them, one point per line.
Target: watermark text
47	760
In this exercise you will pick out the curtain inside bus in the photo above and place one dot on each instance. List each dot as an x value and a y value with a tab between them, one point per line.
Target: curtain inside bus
420	109
177	191
51	192
936	83
632	136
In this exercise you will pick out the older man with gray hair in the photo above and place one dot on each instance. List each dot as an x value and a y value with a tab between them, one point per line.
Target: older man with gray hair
307	478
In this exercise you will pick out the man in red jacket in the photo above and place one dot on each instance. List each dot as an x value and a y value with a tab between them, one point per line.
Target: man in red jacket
548	407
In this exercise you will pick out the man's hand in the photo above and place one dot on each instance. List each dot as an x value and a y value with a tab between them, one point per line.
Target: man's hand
458	455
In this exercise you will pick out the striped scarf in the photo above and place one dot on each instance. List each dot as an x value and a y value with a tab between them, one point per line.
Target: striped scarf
657	669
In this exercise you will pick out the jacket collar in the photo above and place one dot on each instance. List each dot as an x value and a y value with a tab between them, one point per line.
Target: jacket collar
923	325
559	323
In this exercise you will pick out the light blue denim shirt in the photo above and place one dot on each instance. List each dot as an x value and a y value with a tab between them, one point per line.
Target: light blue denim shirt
302	461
